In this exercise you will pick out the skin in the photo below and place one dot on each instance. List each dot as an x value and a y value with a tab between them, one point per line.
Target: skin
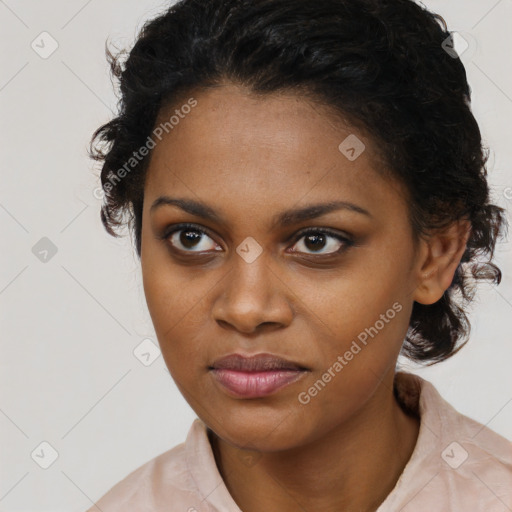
250	158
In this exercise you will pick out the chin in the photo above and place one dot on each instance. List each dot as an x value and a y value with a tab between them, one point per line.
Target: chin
261	432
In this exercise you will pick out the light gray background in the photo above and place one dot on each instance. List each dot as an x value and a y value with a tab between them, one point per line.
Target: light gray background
70	324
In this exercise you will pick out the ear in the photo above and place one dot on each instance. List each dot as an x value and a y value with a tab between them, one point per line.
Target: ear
439	257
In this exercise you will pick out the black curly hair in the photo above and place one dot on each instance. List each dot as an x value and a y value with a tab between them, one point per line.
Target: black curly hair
380	64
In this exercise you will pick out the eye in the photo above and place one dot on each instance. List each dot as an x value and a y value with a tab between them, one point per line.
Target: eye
187	237
194	239
317	239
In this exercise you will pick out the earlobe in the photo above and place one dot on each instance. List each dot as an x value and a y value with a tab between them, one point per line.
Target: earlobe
439	260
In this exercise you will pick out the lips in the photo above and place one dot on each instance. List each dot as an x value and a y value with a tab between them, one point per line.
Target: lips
255	363
255	376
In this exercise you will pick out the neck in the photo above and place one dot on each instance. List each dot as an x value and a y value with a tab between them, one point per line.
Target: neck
354	467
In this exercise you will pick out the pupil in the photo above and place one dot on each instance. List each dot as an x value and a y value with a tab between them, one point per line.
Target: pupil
187	238
315	238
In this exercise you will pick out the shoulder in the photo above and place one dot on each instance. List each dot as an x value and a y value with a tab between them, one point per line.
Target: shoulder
457	464
165	479
476	462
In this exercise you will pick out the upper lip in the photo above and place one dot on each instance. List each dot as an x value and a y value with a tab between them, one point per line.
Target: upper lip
257	362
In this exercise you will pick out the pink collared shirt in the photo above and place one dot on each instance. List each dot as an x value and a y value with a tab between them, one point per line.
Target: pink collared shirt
457	465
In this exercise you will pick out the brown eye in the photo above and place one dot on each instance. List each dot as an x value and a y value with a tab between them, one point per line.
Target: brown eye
321	242
189	238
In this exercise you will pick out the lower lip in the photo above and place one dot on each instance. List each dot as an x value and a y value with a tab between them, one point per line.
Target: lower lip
255	384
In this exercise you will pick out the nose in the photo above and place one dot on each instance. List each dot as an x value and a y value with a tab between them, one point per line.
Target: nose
253	297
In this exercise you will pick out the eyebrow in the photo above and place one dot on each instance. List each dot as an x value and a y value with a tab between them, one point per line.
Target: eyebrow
286	218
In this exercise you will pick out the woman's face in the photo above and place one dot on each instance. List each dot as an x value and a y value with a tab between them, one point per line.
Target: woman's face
254	283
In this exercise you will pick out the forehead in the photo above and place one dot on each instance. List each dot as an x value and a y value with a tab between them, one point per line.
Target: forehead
242	148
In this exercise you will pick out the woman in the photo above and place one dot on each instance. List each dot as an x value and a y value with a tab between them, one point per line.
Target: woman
307	190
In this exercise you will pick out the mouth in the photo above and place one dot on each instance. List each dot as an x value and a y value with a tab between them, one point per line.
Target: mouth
255	376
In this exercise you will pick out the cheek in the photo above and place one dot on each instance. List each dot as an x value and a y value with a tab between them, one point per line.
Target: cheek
347	304
363	325
164	299
354	368
169	292
178	310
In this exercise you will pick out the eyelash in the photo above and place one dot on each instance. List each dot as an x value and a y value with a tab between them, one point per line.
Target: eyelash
347	242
